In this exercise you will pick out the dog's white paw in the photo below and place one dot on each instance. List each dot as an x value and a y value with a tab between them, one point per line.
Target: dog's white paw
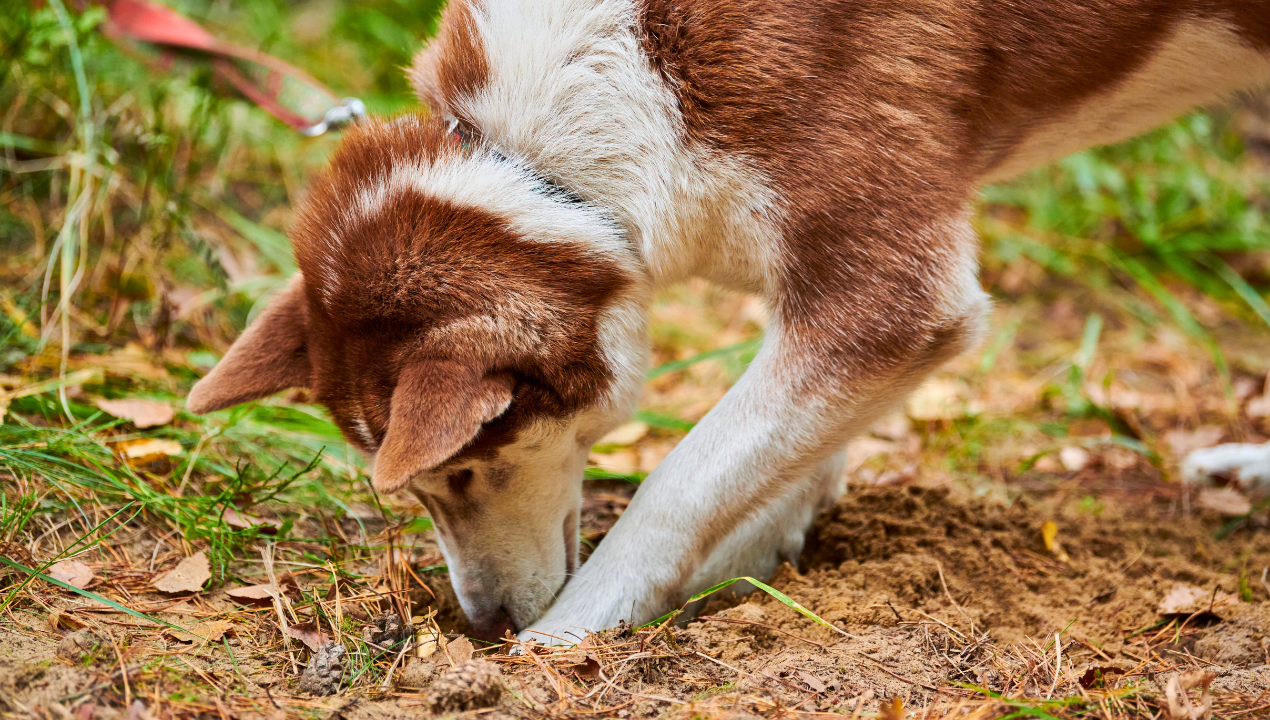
1247	464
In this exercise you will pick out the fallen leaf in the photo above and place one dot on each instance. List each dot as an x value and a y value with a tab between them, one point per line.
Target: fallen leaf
628	434
233	518
893	710
1188	600
253	594
1182	599
622	462
1183	442
1180	705
148	447
1049	534
426	644
188	576
459	651
1226	500
132	360
310	633
940	399
1049	531
72	572
209	631
812	681
58	620
142	413
1096	676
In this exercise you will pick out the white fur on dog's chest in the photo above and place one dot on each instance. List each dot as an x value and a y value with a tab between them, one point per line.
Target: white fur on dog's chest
571	92
1201	60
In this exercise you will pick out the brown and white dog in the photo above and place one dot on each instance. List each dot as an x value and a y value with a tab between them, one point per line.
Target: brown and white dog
474	288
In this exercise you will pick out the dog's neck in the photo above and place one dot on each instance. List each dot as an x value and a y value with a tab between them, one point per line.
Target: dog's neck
581	106
466	136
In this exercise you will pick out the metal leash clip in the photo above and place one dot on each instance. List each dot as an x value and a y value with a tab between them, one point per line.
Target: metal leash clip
350	110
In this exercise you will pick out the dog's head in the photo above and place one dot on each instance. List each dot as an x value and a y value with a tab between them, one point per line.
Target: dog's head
470	330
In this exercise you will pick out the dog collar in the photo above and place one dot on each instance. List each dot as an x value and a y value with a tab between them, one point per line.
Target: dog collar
464	136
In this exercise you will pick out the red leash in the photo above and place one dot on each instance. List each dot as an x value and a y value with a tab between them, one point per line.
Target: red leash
280	89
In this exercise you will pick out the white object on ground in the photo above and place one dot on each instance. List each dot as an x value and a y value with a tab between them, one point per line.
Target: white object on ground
1246	463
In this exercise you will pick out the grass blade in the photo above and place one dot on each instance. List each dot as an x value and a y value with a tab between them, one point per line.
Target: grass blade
677	365
90	595
780	596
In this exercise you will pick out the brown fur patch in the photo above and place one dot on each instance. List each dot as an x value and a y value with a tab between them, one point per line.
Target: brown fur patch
453	64
424	280
850	109
872	119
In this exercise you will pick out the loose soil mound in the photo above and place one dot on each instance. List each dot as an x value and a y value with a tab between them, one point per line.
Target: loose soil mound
938	600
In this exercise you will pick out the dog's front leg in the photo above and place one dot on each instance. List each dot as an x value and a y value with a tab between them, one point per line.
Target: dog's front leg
826	370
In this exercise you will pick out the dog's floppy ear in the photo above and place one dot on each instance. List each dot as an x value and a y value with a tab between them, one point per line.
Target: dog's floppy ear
438	407
269	356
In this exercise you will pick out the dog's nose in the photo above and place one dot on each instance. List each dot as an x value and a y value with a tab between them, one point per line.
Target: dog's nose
495	626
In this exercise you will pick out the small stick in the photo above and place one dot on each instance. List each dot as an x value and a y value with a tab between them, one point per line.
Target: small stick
1058	664
387	684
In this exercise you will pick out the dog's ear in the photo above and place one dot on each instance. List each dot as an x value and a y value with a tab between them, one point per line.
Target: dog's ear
438	407
269	356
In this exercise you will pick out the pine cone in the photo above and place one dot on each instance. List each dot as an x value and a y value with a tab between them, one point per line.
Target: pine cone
386	631
325	670
474	684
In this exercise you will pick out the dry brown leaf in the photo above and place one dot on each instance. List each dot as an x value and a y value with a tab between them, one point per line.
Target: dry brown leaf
1182	599
628	434
1180	705
310	633
209	631
1189	599
622	462
253	594
58	620
1049	535
142	413
426	644
72	572
941	399
812	681
188	576
132	360
459	651
1227	500
893	710
1183	442
147	448
240	520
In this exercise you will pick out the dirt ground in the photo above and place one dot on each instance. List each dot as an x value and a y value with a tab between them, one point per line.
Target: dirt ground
938	599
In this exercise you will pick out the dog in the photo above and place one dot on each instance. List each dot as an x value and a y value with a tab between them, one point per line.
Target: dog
474	284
